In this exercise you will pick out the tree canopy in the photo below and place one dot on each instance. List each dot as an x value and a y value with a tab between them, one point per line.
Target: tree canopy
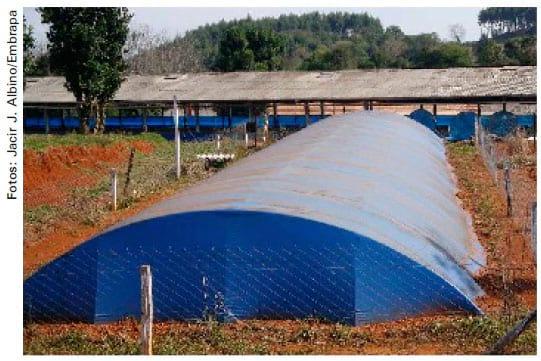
249	48
311	41
501	20
85	46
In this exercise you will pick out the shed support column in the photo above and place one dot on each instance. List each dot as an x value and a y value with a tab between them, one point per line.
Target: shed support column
477	125
370	105
504	107
185	111
223	109
434	109
322	109
366	105
275	115
145	116
254	115
421	106
307	113
343	109
46	118
230	117
197	128
63	120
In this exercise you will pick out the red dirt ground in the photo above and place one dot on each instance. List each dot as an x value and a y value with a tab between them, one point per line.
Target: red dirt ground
510	271
50	175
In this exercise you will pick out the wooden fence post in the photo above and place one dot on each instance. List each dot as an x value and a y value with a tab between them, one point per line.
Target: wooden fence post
113	187
177	139
147	310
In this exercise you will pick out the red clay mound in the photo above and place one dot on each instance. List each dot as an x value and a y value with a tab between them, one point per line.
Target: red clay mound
51	175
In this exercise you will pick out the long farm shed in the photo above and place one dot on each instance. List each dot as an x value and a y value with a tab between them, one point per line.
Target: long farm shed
454	85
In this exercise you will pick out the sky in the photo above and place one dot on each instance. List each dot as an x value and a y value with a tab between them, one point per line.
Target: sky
173	21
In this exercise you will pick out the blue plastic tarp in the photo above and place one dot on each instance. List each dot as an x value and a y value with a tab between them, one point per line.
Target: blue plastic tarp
353	219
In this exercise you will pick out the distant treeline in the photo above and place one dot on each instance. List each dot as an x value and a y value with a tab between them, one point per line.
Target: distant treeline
498	21
333	41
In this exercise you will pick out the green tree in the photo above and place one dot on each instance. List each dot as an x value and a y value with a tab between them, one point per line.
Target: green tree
490	53
267	47
391	53
449	55
250	48
86	46
522	50
420	49
319	60
234	52
28	47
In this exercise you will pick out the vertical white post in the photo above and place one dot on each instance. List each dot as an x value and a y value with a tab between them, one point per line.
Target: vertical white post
113	188
245	136
218	141
266	127
177	139
147	310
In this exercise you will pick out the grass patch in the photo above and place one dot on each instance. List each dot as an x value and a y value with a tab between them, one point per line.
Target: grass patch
484	331
41	215
78	343
40	142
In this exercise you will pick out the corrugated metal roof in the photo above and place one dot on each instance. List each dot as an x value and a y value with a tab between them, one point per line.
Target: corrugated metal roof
516	81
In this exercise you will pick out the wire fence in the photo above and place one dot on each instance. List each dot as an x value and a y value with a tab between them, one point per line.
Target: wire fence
511	161
510	157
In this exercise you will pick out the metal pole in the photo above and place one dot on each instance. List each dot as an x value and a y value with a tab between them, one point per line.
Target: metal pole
177	139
